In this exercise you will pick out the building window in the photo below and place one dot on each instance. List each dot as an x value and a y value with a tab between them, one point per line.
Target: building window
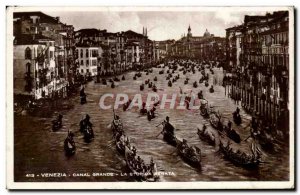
81	62
87	62
28	53
81	70
87	53
28	68
81	53
94	63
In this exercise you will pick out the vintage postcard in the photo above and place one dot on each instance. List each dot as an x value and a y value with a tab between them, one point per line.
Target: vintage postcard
150	98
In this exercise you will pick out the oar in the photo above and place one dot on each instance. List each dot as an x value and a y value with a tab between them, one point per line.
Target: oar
159	134
159	124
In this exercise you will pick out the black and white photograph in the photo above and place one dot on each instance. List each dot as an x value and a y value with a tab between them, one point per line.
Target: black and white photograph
150	97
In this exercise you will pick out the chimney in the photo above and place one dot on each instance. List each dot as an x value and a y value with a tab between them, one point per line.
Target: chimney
57	18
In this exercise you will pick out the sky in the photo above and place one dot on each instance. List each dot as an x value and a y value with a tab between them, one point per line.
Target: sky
161	25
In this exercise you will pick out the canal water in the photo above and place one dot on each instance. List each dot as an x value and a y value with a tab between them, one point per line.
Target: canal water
39	150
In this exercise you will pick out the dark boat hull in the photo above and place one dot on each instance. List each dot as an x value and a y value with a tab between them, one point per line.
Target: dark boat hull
69	151
253	163
206	138
136	174
87	137
82	99
233	135
170	139
194	161
56	126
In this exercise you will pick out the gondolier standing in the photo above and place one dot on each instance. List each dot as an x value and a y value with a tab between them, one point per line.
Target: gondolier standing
167	126
254	128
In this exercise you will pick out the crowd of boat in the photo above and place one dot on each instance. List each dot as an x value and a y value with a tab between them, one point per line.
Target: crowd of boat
190	154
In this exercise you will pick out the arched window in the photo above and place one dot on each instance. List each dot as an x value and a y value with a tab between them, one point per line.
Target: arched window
28	53
81	53
87	53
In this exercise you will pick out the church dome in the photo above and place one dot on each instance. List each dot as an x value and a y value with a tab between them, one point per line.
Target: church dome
206	34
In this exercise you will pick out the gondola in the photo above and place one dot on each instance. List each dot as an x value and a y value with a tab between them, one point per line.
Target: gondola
139	74
155	79
206	84
116	79
112	85
266	141
134	78
161	72
200	95
195	85
104	82
217	124
237	118
203	135
191	155
211	90
142	87
57	124
240	159
69	147
154	89
214	120
149	176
